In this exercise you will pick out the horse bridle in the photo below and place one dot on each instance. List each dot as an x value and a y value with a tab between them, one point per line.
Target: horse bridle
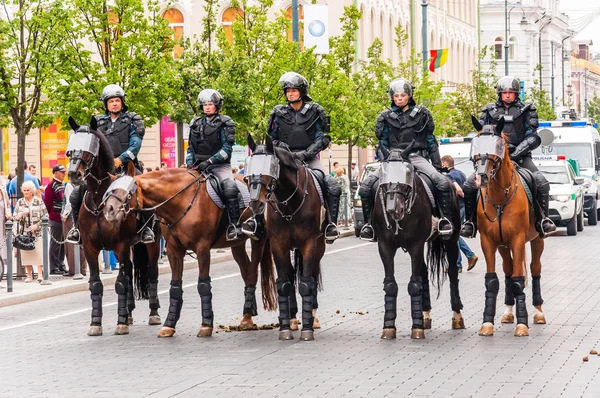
274	203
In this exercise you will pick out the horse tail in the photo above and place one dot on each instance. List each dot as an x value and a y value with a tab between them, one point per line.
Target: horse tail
141	266
267	279
437	261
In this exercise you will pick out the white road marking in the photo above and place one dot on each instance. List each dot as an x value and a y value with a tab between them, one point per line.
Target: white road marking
66	314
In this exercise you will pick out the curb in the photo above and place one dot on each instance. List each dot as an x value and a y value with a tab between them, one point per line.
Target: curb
108	280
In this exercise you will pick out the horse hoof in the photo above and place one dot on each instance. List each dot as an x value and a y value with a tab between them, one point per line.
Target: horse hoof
388	334
307	335
487	329
286	335
205	331
154	320
508	318
122	329
539	319
458	323
294	324
130	320
521	330
427	323
316	323
246	323
417	334
95	331
166	331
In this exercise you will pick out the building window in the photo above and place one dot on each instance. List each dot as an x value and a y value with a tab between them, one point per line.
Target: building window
512	47
288	15
231	15
175	19
498	43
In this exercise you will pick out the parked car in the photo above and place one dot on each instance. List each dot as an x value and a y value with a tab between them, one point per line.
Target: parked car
359	219
566	193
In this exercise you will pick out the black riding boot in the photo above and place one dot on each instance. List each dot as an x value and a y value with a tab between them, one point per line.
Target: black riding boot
74	236
148	223
445	227
544	225
367	232
334	191
254	227
469	227
233	230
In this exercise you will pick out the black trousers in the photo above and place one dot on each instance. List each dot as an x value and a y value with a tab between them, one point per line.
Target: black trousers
57	250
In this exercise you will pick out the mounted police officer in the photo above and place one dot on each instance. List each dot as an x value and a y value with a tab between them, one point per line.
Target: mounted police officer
124	131
301	125
211	143
520	127
406	124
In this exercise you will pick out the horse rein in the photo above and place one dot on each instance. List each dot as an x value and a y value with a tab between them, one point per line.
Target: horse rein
274	203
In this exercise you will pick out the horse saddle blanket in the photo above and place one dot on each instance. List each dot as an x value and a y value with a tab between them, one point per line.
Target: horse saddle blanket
528	182
319	182
214	191
429	188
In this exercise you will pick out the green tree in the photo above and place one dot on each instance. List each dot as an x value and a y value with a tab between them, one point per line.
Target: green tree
539	98
132	46
30	31
594	108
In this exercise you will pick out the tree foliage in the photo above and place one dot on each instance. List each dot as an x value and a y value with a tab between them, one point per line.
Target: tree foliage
540	98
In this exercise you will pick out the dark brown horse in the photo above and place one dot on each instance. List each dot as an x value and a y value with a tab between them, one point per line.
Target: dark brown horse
192	221
91	160
285	189
506	223
402	218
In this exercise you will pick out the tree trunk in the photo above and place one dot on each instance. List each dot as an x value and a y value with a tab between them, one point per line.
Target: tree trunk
21	135
349	169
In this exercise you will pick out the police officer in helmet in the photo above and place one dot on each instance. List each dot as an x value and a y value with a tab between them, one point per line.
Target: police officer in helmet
301	125
520	127
211	143
124	131
406	124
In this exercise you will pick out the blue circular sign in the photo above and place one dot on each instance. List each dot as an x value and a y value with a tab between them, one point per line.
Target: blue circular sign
316	28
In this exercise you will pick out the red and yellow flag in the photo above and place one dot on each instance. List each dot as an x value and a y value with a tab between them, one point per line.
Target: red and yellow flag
438	58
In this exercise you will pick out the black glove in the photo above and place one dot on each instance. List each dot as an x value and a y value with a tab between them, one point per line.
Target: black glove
204	165
525	147
301	156
511	148
382	153
189	165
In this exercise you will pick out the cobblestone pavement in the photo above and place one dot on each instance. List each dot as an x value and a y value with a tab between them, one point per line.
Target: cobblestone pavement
44	349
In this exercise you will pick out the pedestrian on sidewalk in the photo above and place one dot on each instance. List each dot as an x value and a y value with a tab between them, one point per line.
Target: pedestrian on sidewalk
342	179
28	213
67	224
458	178
5	214
53	199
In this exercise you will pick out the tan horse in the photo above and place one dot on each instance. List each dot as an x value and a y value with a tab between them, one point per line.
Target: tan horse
506	223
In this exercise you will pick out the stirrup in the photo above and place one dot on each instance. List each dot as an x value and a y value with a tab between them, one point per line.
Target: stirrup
233	232
445	233
468	234
147	235
331	239
72	239
551	228
249	228
367	233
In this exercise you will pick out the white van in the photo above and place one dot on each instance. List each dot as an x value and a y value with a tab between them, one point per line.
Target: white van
581	141
460	150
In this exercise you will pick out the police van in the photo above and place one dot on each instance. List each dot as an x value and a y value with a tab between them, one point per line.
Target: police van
575	140
460	150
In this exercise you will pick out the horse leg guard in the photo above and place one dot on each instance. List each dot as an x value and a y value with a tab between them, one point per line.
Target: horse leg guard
509	299
250	306
536	290
96	290
153	296
130	301
426	296
307	287
415	290
518	290
121	290
390	287
204	289
492	286
175	304
293	303
284	289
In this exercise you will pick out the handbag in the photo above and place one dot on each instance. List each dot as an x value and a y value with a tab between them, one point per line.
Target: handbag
24	241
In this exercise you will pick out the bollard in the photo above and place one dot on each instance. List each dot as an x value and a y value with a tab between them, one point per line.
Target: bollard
77	259
45	248
106	257
9	257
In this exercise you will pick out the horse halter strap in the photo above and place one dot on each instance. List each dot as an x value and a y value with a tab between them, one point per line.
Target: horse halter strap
272	200
507	200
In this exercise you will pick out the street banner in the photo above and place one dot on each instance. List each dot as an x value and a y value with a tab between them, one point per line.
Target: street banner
316	27
53	145
168	142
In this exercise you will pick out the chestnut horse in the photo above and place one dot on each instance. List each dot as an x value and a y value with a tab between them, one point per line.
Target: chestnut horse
285	189
191	220
97	169
506	222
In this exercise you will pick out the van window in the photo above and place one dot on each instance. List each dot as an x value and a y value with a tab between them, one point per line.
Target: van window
579	151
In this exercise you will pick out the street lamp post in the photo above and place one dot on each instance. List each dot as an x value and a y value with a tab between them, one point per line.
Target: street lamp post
507	30
424	33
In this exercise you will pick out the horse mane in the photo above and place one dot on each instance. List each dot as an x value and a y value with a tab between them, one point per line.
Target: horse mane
105	153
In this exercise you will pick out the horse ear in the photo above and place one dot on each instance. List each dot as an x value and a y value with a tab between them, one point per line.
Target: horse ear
499	127
476	124
269	143
73	123
93	123
251	143
130	169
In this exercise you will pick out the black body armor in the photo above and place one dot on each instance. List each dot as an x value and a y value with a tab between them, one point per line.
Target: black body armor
205	136
516	119
297	128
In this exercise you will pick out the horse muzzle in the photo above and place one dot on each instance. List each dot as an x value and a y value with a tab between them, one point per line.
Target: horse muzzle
481	171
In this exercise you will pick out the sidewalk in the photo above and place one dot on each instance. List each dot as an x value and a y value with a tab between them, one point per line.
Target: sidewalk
26	292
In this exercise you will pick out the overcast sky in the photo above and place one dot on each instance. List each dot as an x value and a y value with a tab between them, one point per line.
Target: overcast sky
579	8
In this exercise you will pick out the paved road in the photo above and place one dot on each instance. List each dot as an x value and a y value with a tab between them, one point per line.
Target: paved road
44	349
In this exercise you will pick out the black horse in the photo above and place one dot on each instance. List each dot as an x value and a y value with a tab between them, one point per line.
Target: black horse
294	223
403	217
91	160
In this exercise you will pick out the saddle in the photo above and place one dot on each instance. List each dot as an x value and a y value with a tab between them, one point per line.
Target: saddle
319	180
528	182
216	195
